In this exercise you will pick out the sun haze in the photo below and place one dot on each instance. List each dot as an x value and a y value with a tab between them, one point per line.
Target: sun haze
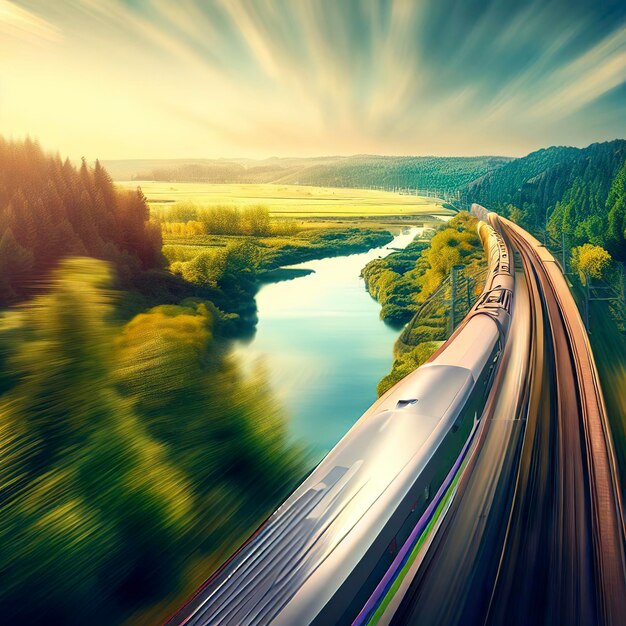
154	78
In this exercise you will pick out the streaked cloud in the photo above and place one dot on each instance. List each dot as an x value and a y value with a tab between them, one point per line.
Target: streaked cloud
155	78
588	77
18	24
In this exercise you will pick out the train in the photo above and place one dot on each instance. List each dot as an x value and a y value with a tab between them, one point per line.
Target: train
320	556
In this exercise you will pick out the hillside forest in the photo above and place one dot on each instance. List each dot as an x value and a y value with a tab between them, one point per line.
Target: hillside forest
442	173
579	194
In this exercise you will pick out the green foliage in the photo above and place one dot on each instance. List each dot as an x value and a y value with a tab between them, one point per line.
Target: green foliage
16	263
50	210
445	173
257	221
516	215
616	203
406	363
403	281
269	253
230	269
317	244
442	173
123	450
392	281
187	219
184	211
569	191
174	253
88	489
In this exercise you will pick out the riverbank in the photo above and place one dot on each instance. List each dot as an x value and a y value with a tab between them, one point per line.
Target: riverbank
404	282
319	348
228	270
322	343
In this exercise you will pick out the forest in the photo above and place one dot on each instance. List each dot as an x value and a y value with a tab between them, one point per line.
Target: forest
135	451
441	173
131	438
49	210
576	193
123	451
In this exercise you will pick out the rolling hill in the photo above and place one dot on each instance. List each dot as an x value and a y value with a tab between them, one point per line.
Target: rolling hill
446	174
578	192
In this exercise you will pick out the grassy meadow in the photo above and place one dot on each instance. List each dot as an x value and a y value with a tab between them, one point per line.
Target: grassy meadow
291	200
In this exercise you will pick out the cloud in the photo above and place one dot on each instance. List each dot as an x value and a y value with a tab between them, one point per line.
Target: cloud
587	78
19	24
258	77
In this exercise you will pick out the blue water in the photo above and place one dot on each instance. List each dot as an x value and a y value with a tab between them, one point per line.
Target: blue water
323	345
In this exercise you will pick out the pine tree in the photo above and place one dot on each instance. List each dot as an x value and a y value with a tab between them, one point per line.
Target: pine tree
15	263
616	203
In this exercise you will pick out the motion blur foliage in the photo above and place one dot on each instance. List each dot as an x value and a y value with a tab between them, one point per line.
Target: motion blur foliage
124	450
50	210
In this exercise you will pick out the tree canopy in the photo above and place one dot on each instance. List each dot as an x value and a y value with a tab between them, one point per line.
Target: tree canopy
50	209
590	260
579	193
123	450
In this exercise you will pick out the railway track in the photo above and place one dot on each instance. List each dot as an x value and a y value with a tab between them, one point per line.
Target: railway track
482	488
567	490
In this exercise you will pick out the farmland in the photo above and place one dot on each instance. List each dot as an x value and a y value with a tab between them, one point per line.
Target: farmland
292	200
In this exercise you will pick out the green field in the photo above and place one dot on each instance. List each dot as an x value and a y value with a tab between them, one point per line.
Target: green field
292	200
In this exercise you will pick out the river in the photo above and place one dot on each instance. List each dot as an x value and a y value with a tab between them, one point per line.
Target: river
323	345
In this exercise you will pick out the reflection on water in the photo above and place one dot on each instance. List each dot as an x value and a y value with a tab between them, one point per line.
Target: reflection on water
323	344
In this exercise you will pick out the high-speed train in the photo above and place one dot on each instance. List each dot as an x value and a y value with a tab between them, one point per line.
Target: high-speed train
319	557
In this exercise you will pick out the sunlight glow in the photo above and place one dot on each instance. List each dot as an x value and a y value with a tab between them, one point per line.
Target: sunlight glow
121	79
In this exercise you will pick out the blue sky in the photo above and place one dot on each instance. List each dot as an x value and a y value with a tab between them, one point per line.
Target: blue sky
224	78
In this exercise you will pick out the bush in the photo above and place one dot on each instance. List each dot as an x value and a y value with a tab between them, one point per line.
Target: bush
407	363
124	450
590	260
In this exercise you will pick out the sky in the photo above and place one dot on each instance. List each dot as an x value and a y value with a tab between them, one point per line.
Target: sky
117	79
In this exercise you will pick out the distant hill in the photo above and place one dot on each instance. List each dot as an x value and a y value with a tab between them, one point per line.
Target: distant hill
576	191
571	190
211	170
435	173
446	174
